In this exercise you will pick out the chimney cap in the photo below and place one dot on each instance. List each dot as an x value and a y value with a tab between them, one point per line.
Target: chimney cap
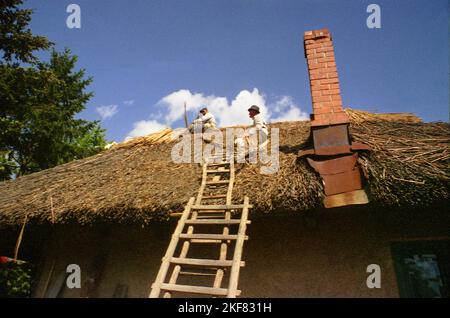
314	34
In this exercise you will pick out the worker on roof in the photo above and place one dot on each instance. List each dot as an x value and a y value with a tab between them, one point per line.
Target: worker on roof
205	119
259	125
255	136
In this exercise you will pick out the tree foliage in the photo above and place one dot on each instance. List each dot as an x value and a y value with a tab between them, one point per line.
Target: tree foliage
15	280
17	43
39	101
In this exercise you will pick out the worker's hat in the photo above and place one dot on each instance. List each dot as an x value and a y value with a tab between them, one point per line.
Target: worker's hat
254	107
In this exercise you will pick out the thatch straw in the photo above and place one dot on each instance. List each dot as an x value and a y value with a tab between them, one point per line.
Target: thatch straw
136	181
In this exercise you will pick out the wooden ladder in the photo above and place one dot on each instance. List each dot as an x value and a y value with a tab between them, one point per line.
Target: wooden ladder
209	220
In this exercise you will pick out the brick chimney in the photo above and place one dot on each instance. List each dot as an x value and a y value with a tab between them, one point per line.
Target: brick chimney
323	79
334	156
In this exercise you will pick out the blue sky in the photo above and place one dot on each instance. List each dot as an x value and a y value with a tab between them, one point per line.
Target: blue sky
147	57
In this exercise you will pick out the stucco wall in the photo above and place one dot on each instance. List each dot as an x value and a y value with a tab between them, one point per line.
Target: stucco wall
319	254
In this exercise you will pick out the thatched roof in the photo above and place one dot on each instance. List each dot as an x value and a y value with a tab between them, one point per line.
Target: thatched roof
137	181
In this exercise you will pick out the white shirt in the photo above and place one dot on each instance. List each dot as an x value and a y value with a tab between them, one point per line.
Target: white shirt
207	118
258	124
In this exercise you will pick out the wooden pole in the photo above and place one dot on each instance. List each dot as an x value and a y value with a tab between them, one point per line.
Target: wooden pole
185	116
19	239
234	275
156	287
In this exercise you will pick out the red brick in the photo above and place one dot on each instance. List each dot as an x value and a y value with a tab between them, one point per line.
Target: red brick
331	91
341	117
335	91
314	45
316	87
322	40
330	81
320	76
320	32
325	104
322	67
322	87
336	109
336	98
336	103
315	123
332	75
325	59
334	86
319	117
314	66
327	70
316	93
320	99
324	49
327	116
317	56
320	110
323	70
329	54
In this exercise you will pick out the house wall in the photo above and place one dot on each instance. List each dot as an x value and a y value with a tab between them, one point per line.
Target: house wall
315	254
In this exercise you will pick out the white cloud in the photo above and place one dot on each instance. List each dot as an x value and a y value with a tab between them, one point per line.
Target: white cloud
176	100
107	112
145	127
128	102
234	113
287	110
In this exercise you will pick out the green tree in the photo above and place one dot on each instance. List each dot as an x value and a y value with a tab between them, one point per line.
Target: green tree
39	102
17	43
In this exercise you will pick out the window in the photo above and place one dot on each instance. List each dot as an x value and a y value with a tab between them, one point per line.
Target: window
422	268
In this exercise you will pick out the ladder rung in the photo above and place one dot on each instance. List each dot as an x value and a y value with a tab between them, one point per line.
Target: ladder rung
212	211
216	196
207	216
218	164
213	221
218	171
197	274
202	262
199	241
209	236
218	182
195	289
220	207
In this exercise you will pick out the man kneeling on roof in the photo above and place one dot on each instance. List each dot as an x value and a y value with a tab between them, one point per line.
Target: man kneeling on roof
205	119
255	136
259	125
